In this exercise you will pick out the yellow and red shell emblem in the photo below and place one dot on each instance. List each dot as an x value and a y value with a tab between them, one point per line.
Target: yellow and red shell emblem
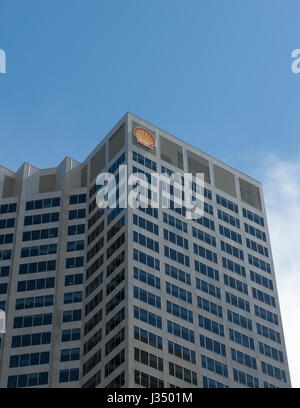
144	137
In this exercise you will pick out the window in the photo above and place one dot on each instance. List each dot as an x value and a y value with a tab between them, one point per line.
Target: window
77	214
212	345
36	284
233	267
261	280
178	292
209	306
114	363
229	219
72	297
257	233
232	250
147	381
91	362
176	256
33	339
75	279
230	205
25	360
211	325
258	263
210	383
72	354
183	373
34	302
214	366
46	203
94	320
180	311
176	239
115	301
77	199
257	247
27	380
274	372
6	239
71	316
146	241
145	224
147	297
75	246
7	223
32	320
207	270
144	161
204	236
8	208
208	288
266	315
40	234
263	297
253	217
76	229
180	331
175	222
38	250
41	218
205	253
239	320
36	267
148	359
148	338
114	342
115	321
237	301
92	341
243	359
69	375
94	284
236	284
268	333
229	233
181	352
116	281
245	379
146	259
74	262
271	352
147	317
177	274
70	335
241	339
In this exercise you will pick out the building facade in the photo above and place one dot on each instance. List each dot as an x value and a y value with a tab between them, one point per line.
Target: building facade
124	297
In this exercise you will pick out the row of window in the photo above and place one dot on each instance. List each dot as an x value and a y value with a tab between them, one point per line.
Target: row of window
41	218
7	223
25	360
38	250
35	284
45	203
8	208
6	239
40	234
36	267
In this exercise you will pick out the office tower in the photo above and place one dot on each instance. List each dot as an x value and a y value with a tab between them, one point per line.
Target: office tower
124	297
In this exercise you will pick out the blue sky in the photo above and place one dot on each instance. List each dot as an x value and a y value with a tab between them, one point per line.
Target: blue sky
215	73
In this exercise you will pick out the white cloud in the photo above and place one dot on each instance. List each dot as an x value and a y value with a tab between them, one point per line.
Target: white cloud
281	185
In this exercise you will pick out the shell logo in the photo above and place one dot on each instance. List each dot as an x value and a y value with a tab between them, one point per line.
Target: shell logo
144	137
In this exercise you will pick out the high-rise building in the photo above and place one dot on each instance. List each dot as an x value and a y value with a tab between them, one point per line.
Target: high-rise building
137	297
